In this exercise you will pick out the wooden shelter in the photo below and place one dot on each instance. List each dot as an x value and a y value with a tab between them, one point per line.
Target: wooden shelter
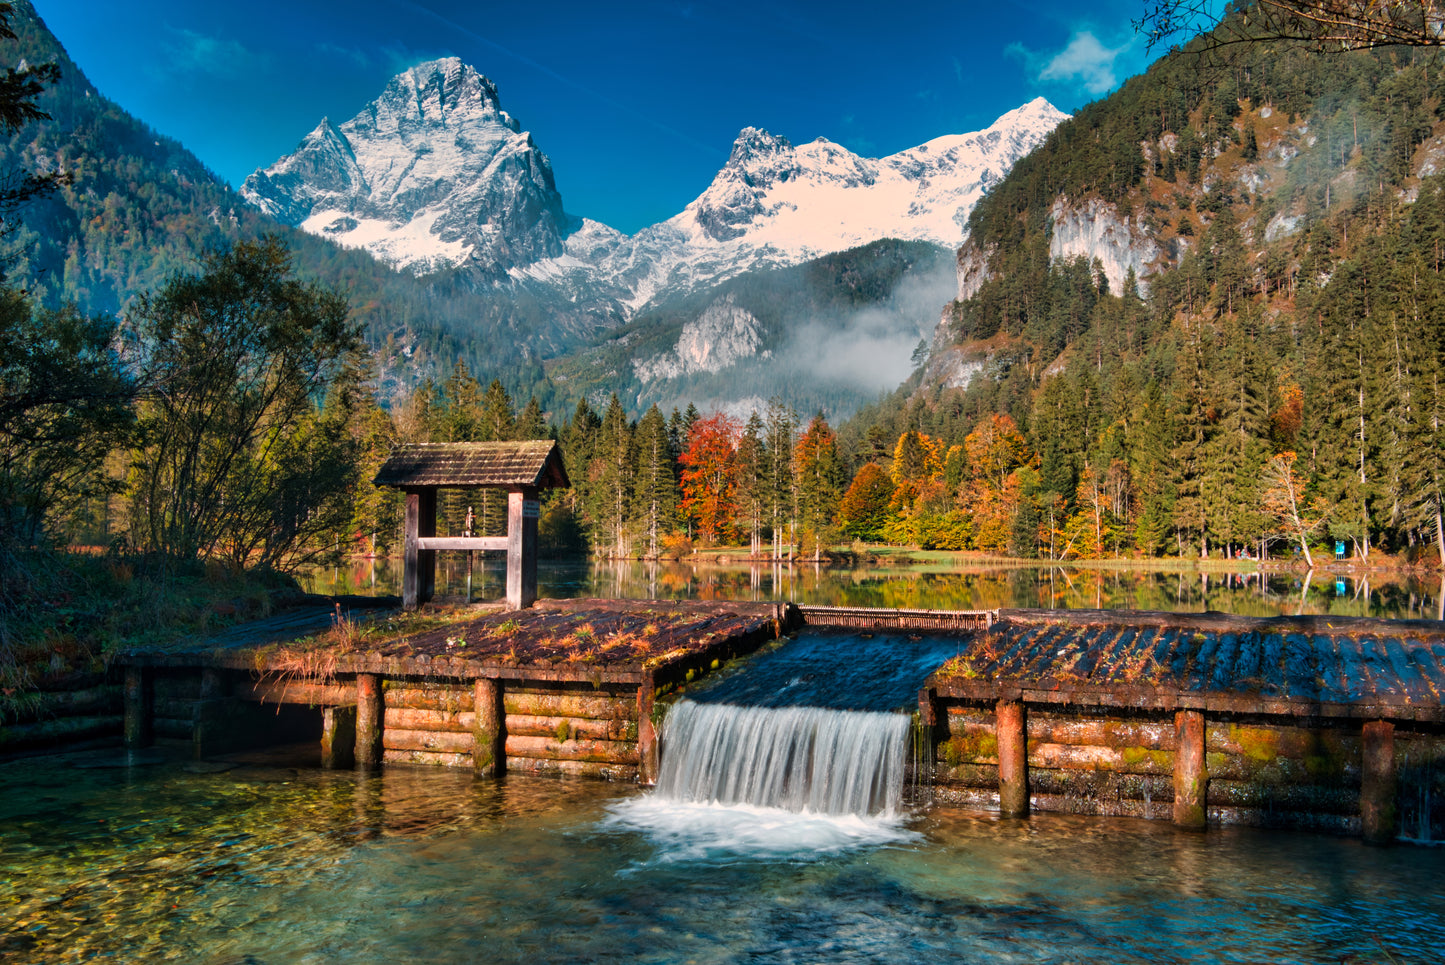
522	469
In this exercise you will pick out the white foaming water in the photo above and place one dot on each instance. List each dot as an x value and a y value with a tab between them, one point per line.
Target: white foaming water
794	758
773	782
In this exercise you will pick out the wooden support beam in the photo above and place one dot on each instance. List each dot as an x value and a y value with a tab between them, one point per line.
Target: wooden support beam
647	750
338	737
418	578
1013	762
489	729
523	511
140	704
1377	782
1191	773
469	543
369	717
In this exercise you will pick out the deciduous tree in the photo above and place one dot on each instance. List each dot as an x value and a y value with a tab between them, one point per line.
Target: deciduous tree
708	476
237	458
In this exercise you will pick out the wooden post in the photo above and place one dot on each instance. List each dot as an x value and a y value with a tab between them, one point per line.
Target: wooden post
522	513
338	736
1191	772
1377	782
418	577
207	721
489	733
369	716
1013	759
140	702
647	753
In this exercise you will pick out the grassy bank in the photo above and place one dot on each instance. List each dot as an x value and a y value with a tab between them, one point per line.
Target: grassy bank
63	613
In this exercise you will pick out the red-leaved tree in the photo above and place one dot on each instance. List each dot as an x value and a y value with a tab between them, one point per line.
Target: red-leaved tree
709	469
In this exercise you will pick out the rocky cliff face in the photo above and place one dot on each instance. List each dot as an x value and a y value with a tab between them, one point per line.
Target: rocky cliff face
723	334
431	174
1094	230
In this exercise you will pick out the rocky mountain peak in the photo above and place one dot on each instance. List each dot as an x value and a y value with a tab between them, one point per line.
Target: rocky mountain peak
431	174
437	94
755	145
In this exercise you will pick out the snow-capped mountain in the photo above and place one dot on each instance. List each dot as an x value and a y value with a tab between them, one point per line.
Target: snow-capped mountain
432	174
774	204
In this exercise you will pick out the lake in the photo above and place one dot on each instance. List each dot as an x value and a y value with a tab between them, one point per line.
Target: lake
933	586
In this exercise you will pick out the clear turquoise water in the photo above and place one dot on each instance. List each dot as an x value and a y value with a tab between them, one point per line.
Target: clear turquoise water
273	861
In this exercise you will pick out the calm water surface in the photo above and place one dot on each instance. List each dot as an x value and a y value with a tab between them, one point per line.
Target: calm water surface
272	861
976	587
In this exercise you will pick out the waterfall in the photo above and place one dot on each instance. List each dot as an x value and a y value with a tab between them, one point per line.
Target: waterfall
798	759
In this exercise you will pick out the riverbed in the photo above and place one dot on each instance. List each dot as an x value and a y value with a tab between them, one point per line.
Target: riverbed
267	859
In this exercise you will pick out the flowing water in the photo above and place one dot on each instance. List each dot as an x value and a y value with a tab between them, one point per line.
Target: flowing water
273	862
833	762
937	585
799	743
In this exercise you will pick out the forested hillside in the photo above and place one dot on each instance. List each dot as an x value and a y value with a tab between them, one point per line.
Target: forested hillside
1280	378
826	335
134	207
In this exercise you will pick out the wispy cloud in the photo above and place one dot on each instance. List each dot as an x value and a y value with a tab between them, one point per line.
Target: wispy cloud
188	53
1085	62
398	58
353	55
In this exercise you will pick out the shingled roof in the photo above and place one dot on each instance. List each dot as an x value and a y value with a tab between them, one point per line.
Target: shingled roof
501	465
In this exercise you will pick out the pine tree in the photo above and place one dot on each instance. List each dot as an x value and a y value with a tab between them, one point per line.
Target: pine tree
579	437
820	481
1192	406
459	414
654	492
531	424
1235	454
782	426
497	421
611	477
752	496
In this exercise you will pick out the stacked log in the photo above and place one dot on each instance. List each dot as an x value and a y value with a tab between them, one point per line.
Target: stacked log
559	729
1106	764
67	717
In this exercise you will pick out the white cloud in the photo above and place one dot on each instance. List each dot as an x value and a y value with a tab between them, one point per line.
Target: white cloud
1085	63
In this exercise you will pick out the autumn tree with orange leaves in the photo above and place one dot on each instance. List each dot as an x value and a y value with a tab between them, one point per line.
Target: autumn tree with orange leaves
709	471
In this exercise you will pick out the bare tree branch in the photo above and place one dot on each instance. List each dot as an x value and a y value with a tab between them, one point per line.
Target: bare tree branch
1325	25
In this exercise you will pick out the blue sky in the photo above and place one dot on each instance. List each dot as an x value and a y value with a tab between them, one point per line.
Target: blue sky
636	104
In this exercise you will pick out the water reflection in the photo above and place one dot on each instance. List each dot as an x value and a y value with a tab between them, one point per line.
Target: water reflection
974	587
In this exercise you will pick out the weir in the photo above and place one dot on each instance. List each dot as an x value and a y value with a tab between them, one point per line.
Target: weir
1323	723
831	762
819	724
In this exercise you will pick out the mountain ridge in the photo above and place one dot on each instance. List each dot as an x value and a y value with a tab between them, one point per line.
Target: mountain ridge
772	204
